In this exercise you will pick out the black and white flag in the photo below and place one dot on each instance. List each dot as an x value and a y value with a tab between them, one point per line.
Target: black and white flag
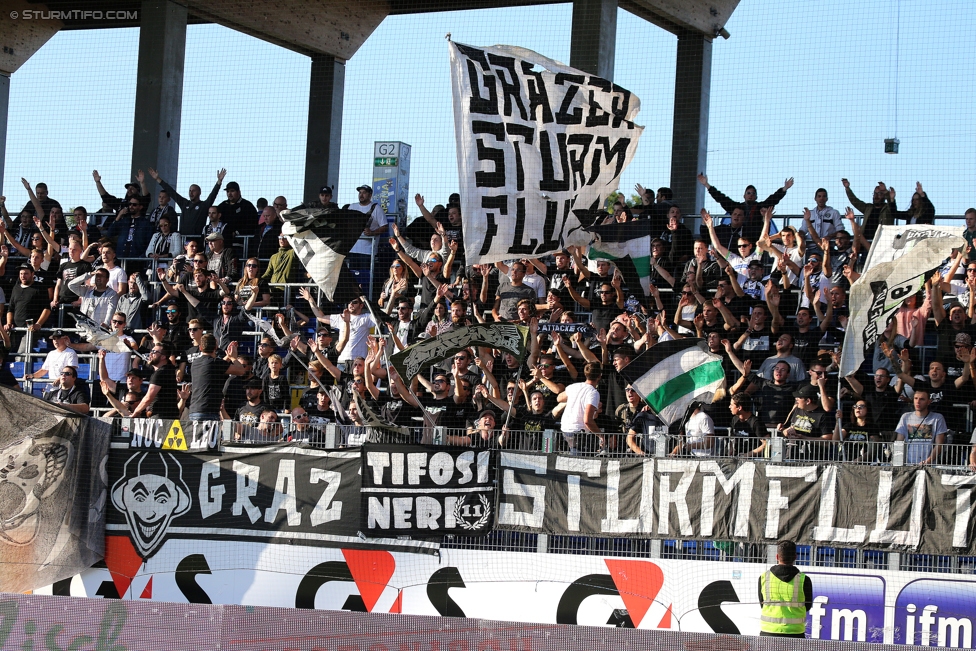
322	239
903	262
537	142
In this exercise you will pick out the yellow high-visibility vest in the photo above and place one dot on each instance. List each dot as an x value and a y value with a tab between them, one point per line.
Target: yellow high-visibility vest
783	608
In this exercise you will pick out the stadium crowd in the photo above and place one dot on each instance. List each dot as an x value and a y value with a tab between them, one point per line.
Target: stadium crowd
176	309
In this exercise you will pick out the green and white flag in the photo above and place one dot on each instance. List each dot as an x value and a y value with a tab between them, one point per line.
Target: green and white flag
672	374
626	240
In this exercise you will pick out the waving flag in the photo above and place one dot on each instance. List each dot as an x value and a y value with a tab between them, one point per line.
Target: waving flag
627	240
671	374
322	238
905	257
536	140
427	352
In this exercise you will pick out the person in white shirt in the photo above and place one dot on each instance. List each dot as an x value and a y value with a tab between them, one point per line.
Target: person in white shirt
376	226
699	435
57	359
359	324
923	430
821	222
582	401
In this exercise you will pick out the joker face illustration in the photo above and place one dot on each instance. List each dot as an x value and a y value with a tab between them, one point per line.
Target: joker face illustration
30	470
151	493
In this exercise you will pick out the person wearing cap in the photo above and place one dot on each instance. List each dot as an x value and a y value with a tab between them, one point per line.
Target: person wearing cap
240	214
194	209
132	379
138	190
483	432
360	254
249	414
56	359
786	595
283	267
752	282
324	200
809	421
29	301
748	435
68	392
221	259
446	221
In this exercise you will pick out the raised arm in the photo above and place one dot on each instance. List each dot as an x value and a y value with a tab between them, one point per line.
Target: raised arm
419	200
709	224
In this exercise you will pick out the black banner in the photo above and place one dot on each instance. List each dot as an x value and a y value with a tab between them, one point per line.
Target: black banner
427	490
427	352
921	509
52	491
287	493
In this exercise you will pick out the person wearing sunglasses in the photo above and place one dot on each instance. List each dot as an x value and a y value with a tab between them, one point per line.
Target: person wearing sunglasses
396	285
68	392
745	247
252	290
131	230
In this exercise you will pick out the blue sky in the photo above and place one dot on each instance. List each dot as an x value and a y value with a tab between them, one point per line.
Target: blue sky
802	89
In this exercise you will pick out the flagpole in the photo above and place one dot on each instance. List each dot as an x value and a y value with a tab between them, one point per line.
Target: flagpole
518	378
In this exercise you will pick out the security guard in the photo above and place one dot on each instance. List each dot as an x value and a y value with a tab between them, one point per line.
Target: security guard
786	594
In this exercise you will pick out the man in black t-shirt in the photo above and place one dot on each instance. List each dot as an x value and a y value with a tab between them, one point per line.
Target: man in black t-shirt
747	433
239	213
884	410
28	301
757	341
208	373
809	423
70	270
161	397
249	414
776	395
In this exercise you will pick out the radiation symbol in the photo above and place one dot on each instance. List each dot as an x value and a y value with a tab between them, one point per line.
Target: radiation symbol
175	438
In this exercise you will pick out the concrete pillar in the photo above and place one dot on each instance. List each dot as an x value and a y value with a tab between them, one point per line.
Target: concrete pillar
689	139
159	89
4	108
323	144
594	36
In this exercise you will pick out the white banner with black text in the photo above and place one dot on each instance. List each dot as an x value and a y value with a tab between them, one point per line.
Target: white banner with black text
537	142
